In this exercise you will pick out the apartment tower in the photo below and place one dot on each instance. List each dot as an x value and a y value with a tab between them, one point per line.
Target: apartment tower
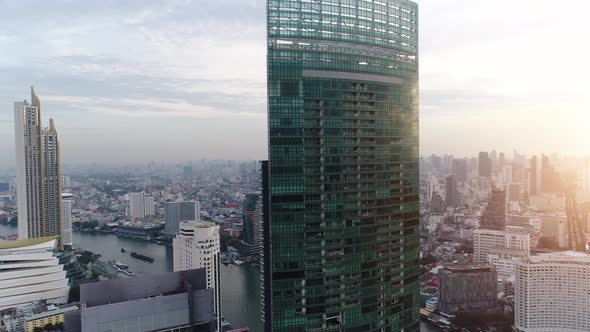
343	166
38	177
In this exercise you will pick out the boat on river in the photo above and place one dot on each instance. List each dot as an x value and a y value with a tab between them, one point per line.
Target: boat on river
142	257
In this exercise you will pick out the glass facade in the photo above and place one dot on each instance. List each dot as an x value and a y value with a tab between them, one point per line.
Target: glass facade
343	166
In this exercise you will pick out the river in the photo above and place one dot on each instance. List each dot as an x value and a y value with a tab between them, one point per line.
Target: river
240	284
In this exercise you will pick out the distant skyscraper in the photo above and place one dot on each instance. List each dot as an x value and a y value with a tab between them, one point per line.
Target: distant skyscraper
38	177
176	212
534	174
187	172
196	246
453	198
460	170
248	216
485	165
494	216
66	218
343	158
550	180
514	192
140	205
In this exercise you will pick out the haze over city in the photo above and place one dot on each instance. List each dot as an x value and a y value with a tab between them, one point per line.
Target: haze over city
136	81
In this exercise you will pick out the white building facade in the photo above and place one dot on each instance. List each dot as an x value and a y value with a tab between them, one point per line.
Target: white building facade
67	203
486	239
30	272
38	176
551	293
197	246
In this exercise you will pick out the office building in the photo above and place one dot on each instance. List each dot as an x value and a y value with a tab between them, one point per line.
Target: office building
141	205
30	272
196	246
467	288
257	244
248	216
485	165
550	179
176	212
432	187
514	192
173	301
343	159
38	178
187	172
67	202
533	187
486	239
554	229
453	198
460	170
551	293
494	216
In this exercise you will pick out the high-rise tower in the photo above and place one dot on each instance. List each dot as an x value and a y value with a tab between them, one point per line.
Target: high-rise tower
343	166
485	165
196	246
38	176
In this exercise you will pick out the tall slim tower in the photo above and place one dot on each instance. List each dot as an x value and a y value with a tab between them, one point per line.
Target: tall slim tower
38	174
196	246
343	159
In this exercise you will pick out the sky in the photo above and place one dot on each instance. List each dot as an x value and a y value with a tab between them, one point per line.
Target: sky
141	80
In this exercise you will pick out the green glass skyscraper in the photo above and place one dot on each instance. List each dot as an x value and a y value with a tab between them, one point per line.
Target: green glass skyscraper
341	235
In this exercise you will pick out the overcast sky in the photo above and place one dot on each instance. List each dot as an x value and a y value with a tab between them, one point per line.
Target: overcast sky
178	80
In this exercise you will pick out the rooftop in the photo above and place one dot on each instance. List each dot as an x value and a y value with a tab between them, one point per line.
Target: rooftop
26	243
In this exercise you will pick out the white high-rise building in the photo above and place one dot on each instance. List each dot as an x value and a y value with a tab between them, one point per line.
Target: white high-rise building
141	205
551	293
66	218
137	205
511	238
149	205
196	247
38	177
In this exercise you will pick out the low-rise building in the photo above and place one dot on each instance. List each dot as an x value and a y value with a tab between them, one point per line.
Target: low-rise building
53	316
467	288
173	301
486	239
30	271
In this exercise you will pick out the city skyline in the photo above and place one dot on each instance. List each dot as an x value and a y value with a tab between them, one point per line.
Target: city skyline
163	72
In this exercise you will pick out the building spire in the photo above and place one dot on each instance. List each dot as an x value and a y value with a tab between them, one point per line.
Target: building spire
34	99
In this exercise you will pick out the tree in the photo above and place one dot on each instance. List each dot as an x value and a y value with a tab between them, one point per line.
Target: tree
50	327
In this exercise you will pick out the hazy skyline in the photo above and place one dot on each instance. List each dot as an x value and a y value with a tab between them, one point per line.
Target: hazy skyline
178	80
